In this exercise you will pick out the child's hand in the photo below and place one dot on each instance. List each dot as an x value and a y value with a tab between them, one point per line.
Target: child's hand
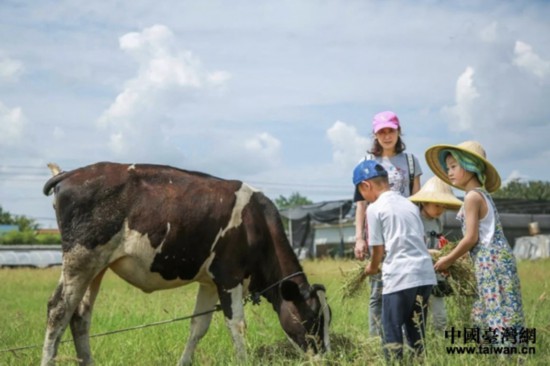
443	263
360	248
371	270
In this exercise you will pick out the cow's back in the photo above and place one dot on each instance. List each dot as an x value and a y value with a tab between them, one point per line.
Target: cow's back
183	214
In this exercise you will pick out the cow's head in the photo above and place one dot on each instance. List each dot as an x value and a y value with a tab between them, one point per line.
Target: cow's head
305	316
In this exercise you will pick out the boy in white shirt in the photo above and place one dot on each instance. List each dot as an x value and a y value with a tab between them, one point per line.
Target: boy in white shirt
395	228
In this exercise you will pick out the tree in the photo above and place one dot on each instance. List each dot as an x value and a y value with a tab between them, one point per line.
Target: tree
25	223
5	217
529	190
295	199
22	221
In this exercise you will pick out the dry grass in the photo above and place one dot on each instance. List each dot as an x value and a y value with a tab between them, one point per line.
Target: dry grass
354	280
461	274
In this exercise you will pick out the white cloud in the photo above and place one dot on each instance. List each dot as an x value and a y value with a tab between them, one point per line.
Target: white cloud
514	175
347	145
263	145
10	69
12	123
526	59
116	143
237	154
466	94
218	77
167	77
153	40
163	68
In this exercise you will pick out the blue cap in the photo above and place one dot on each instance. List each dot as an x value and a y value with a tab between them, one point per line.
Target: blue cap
365	170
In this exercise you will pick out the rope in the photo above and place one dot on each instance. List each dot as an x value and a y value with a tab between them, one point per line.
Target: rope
216	308
255	297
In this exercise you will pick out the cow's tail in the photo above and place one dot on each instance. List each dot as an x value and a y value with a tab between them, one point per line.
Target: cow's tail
58	176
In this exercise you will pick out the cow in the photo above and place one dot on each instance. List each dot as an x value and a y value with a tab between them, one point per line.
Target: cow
159	227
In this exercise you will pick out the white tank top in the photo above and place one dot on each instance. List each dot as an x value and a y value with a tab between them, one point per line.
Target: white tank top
487	224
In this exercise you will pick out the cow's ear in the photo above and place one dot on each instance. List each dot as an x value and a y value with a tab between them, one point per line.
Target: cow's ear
290	291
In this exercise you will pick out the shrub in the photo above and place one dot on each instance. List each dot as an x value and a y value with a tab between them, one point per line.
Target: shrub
48	239
29	237
18	237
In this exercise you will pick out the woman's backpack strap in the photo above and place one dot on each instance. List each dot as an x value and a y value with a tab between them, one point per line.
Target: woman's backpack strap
410	163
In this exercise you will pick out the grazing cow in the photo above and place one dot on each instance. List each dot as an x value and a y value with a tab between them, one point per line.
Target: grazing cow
160	227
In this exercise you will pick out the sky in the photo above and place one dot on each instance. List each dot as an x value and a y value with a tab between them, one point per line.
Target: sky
279	94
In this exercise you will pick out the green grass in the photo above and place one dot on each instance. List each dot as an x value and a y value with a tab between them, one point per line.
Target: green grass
24	294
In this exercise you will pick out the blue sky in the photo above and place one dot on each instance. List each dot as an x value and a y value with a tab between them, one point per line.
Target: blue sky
277	93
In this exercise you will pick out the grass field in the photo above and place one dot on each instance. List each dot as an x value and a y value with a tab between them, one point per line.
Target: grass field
24	293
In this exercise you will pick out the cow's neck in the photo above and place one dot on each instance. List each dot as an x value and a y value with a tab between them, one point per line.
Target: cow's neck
273	274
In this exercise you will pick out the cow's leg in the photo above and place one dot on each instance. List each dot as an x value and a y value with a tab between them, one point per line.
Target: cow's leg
206	300
54	330
81	320
233	308
79	268
61	307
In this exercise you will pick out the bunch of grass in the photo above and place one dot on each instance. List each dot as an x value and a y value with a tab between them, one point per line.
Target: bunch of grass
461	274
354	280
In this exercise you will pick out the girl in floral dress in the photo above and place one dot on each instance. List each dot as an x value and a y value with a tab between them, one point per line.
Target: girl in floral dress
498	310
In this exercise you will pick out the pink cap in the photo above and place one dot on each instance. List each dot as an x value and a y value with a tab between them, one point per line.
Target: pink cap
385	119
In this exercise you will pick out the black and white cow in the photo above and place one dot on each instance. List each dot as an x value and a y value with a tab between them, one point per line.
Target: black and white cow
160	227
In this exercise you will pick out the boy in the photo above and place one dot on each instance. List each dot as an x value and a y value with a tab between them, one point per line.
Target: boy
395	227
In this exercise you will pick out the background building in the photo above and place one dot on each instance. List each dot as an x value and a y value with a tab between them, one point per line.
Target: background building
335	235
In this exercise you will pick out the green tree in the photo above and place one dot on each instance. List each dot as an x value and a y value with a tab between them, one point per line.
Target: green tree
530	190
5	217
22	221
25	223
295	199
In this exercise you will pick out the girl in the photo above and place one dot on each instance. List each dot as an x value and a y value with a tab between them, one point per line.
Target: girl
404	177
434	198
499	306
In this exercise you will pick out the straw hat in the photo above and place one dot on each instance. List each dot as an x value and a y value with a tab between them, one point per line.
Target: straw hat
475	150
439	192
